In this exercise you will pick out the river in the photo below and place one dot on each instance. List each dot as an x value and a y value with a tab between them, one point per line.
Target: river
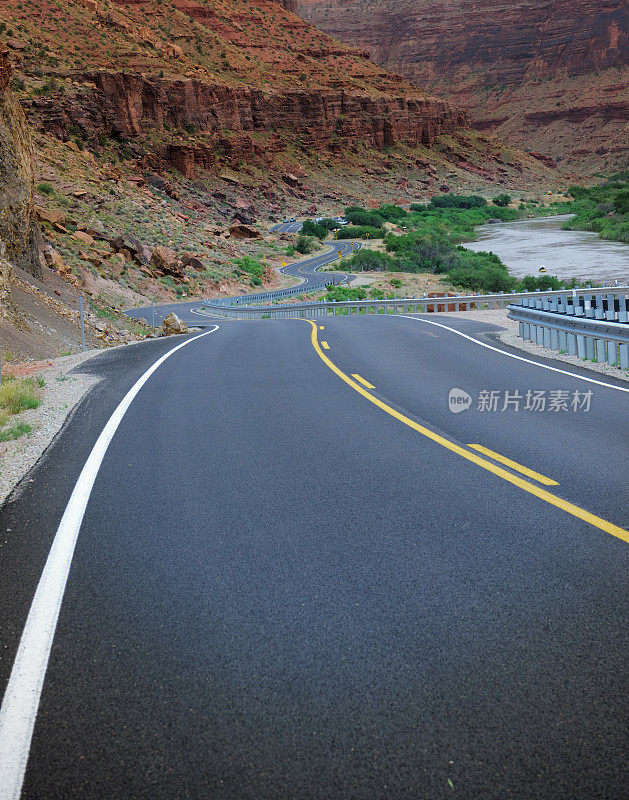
526	245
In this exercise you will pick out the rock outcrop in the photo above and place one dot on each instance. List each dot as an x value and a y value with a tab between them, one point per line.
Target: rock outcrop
18	222
122	104
549	75
225	81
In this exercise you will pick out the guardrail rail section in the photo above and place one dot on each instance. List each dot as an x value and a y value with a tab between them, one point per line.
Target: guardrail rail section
590	325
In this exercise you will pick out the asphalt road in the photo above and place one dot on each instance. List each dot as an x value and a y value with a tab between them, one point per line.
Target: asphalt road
290	585
307	270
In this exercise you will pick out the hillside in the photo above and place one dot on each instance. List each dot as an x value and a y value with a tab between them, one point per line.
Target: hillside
547	76
169	136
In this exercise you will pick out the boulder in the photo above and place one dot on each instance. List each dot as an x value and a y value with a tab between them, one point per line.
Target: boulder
291	179
243	232
166	261
81	236
51	217
190	260
173	325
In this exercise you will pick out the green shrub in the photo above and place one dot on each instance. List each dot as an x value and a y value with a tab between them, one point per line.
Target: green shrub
391	213
502	199
369	261
330	224
359	232
247	266
310	228
395	282
539	283
365	218
45	188
458	201
621	202
339	293
304	244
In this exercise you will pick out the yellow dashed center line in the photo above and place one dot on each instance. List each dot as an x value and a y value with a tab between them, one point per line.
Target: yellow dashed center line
541	494
357	377
514	465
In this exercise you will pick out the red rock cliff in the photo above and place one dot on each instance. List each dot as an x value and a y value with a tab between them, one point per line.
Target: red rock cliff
549	75
121	104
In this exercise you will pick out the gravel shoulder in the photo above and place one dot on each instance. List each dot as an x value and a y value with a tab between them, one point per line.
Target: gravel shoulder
510	337
61	394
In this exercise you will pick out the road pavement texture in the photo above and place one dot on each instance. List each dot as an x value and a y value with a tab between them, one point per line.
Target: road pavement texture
306	270
281	589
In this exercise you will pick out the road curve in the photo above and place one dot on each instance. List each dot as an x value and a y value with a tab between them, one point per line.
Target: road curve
307	270
281	589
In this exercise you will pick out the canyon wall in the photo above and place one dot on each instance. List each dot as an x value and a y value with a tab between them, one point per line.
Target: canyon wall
18	226
124	105
550	76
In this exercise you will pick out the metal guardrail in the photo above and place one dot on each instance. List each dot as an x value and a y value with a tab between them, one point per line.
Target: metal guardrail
417	305
591	326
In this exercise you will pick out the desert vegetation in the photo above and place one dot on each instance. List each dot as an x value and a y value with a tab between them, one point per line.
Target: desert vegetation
602	209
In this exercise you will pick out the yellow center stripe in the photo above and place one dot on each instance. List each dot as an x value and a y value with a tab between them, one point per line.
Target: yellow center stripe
362	380
514	465
542	494
325	345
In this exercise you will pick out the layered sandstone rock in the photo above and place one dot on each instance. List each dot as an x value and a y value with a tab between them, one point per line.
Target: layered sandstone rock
121	104
18	222
550	75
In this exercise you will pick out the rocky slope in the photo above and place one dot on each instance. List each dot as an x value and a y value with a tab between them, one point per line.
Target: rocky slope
18	225
168	136
548	76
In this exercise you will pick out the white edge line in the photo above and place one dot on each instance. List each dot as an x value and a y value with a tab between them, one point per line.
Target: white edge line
512	355
21	698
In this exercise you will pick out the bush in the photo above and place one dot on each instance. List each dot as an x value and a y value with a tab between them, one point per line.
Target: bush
45	188
337	294
330	224
458	201
311	228
369	260
418	207
391	213
621	202
247	266
362	217
359	232
304	244
395	282
502	200
539	283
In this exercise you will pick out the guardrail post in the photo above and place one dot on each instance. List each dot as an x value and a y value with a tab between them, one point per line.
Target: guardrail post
622	308
572	344
581	346
599	312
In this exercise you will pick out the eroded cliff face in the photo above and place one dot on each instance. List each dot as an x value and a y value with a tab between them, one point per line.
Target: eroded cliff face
18	226
549	75
236	79
234	118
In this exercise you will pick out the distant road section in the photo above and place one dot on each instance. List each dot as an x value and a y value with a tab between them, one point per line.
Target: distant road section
307	270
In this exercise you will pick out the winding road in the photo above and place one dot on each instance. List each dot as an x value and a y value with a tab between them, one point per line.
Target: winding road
289	570
308	270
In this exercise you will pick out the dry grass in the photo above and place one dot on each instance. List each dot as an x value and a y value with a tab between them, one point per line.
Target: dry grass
18	395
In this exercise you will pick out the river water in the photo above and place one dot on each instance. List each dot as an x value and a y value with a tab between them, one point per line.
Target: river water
527	245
